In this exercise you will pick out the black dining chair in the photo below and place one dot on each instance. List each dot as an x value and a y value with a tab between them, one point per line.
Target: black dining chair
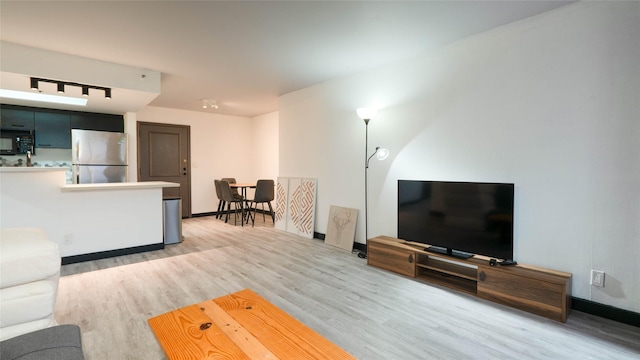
227	196
234	191
265	193
221	203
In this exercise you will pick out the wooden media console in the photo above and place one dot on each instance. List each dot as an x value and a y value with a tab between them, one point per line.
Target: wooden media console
539	291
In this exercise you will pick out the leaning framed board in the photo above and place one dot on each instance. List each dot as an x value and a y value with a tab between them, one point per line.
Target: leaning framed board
295	205
341	229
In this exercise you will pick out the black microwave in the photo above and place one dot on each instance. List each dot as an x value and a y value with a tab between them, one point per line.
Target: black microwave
14	142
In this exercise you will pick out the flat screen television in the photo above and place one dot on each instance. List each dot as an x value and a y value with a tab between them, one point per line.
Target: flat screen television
457	218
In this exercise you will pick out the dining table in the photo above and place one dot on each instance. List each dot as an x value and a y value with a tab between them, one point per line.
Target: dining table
243	188
243	191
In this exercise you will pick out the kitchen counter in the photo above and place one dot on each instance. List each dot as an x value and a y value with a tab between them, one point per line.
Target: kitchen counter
89	187
37	169
15	169
88	221
119	186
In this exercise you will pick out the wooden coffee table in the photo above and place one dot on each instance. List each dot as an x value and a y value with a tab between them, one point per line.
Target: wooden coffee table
241	325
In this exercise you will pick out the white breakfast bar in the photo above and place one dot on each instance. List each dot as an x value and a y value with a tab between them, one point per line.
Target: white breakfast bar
88	221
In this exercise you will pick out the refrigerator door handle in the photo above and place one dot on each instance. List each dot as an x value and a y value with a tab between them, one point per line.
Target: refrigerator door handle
77	150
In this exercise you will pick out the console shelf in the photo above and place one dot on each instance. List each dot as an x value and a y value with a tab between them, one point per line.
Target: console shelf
536	290
446	273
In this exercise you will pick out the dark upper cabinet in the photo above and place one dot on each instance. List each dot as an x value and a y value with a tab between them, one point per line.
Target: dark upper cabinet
53	126
53	130
16	119
100	122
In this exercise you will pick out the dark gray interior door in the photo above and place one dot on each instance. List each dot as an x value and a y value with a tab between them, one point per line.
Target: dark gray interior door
163	155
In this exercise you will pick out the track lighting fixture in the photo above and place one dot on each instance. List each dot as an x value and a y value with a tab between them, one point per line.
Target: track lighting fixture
208	103
61	84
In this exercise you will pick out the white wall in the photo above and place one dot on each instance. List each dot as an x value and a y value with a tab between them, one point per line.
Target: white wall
550	103
264	146
221	146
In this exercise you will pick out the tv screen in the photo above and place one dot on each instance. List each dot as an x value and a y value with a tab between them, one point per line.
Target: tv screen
457	218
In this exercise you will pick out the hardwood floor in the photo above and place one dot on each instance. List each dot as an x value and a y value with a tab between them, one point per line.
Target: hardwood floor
371	313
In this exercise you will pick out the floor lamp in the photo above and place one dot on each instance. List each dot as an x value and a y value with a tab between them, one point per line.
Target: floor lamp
367	114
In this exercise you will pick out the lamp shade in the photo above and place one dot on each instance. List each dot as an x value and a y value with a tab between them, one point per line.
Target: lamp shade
382	154
366	113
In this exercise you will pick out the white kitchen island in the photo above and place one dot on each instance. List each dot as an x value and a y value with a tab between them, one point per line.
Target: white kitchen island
88	221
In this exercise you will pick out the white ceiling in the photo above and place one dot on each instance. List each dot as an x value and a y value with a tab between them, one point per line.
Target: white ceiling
245	54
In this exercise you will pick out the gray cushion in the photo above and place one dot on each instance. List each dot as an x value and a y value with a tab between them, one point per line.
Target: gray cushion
62	342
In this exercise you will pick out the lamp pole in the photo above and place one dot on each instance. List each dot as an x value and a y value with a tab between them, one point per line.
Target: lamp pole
366	114
366	172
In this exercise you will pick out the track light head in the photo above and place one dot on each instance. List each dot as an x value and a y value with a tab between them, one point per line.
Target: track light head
34	84
85	90
61	88
107	93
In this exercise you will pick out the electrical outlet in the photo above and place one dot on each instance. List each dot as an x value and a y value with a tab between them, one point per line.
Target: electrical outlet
597	278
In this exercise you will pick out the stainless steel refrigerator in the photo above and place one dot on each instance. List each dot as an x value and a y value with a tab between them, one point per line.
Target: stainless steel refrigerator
98	156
